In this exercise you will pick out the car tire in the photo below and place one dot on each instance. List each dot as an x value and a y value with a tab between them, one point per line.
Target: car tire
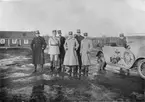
139	68
132	58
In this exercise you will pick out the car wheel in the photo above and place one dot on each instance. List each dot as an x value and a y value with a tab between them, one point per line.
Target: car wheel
141	68
129	58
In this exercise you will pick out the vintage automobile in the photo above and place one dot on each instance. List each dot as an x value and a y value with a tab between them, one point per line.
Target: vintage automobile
132	57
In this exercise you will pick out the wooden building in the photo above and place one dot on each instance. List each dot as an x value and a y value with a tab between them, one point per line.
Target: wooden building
101	41
16	39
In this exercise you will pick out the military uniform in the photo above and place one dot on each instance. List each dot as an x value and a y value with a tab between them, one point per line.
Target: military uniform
122	41
71	45
62	50
86	48
38	46
71	59
79	39
53	45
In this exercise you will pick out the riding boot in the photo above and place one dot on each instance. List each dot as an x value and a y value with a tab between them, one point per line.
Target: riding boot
63	68
51	67
75	71
56	66
60	67
87	70
84	70
80	69
42	67
35	68
70	71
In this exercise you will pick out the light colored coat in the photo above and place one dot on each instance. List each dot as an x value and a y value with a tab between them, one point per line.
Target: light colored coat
71	58
86	47
53	45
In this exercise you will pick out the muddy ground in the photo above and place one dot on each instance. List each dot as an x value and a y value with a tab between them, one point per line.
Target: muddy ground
19	84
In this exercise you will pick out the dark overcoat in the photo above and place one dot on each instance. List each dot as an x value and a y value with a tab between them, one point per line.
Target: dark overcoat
61	47
79	39
123	42
38	46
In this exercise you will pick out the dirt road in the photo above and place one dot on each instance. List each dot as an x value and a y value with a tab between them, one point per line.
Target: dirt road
19	83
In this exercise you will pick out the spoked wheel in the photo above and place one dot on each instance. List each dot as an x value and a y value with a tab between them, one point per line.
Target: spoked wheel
129	58
141	68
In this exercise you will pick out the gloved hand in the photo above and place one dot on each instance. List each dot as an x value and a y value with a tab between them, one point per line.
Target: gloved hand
88	52
66	49
75	48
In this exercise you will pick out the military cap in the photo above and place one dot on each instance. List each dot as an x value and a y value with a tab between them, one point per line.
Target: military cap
54	31
85	34
70	33
59	31
78	31
37	32
121	35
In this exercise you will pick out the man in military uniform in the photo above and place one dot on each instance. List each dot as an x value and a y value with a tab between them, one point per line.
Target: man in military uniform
53	45
62	50
79	38
123	41
38	46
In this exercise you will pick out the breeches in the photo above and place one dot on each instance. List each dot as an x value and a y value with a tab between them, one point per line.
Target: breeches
53	57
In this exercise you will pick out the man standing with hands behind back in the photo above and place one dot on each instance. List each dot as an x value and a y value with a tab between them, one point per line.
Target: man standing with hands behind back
62	50
79	38
38	46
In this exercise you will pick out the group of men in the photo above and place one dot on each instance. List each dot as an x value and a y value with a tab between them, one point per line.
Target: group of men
72	51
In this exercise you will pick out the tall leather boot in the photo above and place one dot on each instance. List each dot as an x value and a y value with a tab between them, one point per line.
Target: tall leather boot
51	67
70	71
87	70
42	68
35	65
84	70
56	66
75	71
60	66
80	69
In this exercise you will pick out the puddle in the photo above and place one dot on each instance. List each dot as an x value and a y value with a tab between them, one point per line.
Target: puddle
23	79
11	61
16	75
23	67
27	91
47	77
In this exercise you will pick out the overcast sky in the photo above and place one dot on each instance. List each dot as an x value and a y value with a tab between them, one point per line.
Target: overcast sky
97	17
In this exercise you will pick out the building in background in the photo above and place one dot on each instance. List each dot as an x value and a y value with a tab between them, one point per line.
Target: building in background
16	39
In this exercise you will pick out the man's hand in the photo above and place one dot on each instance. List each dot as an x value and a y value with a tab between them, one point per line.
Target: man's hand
88	52
75	49
43	49
66	49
